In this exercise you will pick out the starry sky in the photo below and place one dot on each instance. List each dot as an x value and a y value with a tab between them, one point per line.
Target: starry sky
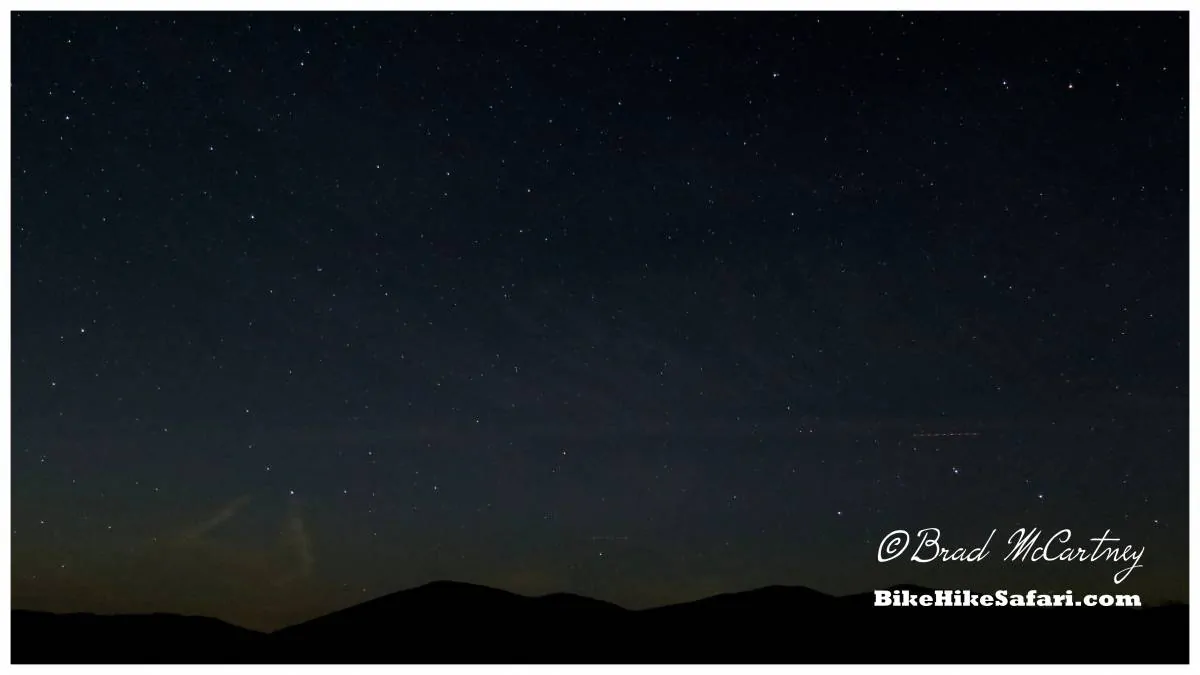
310	308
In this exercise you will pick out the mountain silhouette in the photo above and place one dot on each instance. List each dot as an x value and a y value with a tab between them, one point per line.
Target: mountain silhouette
452	622
769	598
43	637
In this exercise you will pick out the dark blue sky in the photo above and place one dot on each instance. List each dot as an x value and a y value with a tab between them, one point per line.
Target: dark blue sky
311	308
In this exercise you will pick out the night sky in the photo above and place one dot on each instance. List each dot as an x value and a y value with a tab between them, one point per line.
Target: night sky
311	308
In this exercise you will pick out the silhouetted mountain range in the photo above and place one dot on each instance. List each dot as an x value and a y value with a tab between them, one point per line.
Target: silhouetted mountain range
451	622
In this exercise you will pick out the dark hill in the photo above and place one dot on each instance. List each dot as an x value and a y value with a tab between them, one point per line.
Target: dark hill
503	626
42	637
573	603
448	622
727	605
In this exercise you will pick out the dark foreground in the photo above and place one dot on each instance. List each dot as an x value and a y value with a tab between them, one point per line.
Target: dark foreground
460	623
